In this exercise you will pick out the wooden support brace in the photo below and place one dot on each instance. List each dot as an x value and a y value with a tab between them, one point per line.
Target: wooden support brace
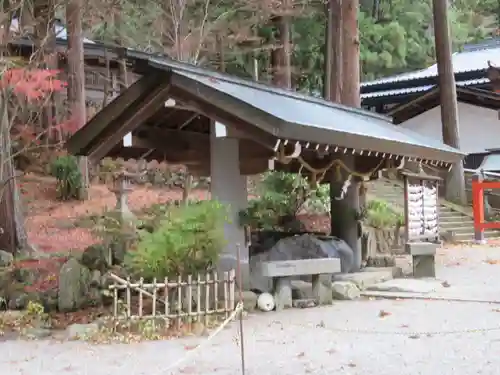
149	105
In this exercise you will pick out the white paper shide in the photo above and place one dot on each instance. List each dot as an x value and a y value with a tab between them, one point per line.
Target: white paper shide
422	210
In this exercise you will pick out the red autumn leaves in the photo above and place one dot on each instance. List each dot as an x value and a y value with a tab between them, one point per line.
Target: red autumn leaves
32	84
33	87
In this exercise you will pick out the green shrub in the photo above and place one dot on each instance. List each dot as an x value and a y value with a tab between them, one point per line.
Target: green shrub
280	195
69	179
187	241
379	214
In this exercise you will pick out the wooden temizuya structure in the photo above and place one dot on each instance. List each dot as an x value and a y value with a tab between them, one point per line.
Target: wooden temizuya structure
227	128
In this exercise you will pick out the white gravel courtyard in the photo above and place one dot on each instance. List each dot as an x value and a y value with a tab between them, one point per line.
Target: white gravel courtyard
347	338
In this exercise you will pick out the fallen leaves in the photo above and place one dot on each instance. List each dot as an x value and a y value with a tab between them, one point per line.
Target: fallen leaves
321	324
315	222
126	332
45	213
60	320
383	314
188	370
492	261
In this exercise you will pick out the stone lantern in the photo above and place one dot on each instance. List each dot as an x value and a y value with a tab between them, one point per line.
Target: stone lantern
121	189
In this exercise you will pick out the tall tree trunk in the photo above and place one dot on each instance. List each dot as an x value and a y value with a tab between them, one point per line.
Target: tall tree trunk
342	85
350	54
76	78
27	19
169	31
281	54
45	42
7	184
455	181
118	39
13	234
332	82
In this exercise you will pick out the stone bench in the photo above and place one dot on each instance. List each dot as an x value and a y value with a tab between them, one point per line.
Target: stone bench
282	272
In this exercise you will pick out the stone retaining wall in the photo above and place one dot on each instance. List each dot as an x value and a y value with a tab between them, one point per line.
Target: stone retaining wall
383	241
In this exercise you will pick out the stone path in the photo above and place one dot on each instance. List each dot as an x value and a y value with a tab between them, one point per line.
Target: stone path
467	274
339	339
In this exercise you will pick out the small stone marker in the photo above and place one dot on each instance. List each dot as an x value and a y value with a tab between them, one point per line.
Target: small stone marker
423	254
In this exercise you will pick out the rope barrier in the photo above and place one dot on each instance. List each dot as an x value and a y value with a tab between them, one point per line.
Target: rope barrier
406	333
176	364
321	325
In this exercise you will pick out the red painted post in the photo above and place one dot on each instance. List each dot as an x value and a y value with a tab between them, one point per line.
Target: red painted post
478	208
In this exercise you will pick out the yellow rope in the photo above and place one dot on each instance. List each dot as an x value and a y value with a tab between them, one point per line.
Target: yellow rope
340	164
283	159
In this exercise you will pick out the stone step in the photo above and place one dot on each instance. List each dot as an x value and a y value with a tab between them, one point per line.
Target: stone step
365	279
469	236
443	208
455	224
458	230
390	198
450	220
455	220
452	215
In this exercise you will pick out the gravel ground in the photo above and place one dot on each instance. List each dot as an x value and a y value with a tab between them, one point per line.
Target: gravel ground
339	338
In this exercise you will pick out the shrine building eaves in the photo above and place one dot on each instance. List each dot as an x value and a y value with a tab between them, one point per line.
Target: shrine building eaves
431	99
275	115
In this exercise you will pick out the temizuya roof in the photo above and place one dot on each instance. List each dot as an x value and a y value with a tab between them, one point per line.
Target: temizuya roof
282	114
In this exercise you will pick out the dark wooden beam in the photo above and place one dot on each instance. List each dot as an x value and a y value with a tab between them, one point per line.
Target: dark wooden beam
181	146
248	167
192	159
216	106
167	139
130	119
81	142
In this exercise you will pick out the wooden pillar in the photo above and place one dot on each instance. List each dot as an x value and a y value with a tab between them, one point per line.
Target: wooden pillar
455	181
493	74
343	212
343	85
